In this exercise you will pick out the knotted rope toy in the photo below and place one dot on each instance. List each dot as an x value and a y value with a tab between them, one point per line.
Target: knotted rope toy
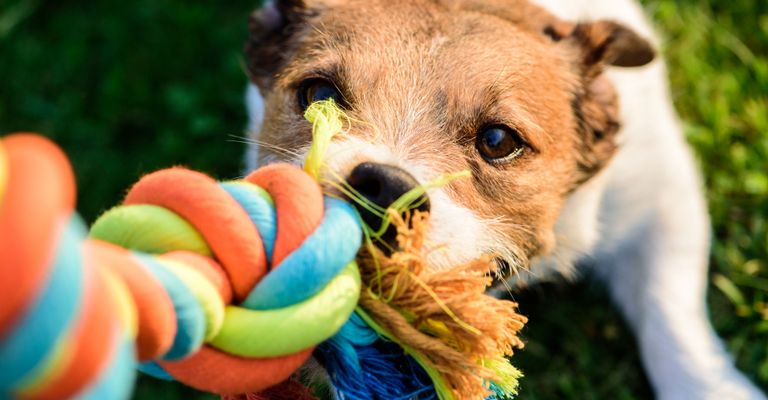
230	287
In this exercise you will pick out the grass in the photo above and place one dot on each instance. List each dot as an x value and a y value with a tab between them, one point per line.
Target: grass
130	87
126	87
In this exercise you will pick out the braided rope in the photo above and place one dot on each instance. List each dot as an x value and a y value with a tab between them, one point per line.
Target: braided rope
226	287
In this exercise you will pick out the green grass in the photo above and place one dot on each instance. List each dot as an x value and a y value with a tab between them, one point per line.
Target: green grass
126	87
130	87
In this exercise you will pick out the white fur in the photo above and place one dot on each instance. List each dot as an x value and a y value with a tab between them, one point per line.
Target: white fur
642	223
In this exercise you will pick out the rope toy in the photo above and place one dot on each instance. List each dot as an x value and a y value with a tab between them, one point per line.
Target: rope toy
229	287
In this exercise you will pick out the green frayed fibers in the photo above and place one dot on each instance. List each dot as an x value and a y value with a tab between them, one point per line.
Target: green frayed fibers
326	119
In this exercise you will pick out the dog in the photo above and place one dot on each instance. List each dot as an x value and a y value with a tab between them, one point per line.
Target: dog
575	152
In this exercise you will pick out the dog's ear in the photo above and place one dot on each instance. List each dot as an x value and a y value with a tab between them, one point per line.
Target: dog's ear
610	43
595	104
273	37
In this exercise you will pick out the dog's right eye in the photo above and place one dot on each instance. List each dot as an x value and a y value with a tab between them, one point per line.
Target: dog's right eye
317	89
498	144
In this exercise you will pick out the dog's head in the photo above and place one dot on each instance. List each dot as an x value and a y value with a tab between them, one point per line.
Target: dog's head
500	88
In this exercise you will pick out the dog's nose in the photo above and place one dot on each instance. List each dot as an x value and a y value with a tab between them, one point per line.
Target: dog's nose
382	184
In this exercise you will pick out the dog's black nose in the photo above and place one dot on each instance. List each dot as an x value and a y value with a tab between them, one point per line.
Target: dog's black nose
382	184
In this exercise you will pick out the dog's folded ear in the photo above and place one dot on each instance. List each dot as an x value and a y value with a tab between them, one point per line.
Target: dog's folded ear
595	103
273	31
610	43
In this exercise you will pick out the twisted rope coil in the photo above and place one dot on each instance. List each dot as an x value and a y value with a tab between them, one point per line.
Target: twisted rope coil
226	287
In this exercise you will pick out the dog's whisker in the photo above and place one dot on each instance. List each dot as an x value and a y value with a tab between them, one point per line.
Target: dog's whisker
270	146
499	224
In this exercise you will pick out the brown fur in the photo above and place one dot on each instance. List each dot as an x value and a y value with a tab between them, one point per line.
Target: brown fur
425	76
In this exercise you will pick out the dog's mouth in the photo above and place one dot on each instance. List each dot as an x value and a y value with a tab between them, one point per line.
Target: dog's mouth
388	201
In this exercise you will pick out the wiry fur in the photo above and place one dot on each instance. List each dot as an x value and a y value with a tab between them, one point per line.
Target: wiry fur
421	77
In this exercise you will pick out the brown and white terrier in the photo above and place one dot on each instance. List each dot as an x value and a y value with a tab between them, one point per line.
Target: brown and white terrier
529	104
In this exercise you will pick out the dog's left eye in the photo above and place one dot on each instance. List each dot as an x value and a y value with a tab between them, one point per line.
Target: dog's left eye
499	143
317	89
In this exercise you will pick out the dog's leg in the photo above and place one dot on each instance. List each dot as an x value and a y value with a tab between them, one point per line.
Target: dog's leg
657	275
655	246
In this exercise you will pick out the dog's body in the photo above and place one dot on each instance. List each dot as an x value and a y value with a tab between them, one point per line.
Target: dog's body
640	221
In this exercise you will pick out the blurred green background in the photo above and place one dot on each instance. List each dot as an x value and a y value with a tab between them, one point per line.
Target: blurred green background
129	87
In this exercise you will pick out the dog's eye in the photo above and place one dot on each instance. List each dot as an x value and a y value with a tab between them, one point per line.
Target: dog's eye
316	89
499	143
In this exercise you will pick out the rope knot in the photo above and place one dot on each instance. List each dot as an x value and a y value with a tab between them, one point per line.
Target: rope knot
226	287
